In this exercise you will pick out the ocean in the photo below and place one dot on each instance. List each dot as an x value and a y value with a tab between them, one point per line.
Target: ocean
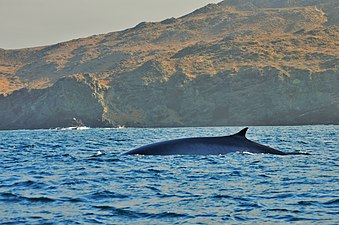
81	177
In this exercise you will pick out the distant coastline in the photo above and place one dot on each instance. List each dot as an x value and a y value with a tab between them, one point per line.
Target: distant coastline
232	63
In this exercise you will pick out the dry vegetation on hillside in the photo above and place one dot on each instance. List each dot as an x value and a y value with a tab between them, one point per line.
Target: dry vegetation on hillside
218	37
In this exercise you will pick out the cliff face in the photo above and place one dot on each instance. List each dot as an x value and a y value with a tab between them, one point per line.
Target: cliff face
71	101
247	97
255	62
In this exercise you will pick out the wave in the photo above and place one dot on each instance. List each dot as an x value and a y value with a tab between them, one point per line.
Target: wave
73	128
106	194
134	214
10	197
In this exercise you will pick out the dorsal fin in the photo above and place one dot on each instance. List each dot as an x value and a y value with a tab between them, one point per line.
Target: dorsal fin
241	133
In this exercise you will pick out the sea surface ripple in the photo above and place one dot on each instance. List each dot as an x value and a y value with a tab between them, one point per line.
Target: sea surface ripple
80	177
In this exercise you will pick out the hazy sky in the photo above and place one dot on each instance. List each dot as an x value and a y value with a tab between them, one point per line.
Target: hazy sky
28	23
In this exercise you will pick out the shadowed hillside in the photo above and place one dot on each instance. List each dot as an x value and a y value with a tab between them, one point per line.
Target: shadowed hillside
259	62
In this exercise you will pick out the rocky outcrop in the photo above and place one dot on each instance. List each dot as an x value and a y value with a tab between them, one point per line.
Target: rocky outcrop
72	101
248	97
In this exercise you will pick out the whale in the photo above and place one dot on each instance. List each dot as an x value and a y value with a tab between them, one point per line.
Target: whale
236	143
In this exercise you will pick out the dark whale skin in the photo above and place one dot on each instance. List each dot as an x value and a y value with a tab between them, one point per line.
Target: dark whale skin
206	146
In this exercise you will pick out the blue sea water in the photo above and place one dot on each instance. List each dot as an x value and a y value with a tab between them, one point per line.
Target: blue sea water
80	177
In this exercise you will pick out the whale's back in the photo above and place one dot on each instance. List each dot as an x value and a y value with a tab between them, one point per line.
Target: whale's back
206	146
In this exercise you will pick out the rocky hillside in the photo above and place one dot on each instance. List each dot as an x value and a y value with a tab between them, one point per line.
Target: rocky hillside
258	62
